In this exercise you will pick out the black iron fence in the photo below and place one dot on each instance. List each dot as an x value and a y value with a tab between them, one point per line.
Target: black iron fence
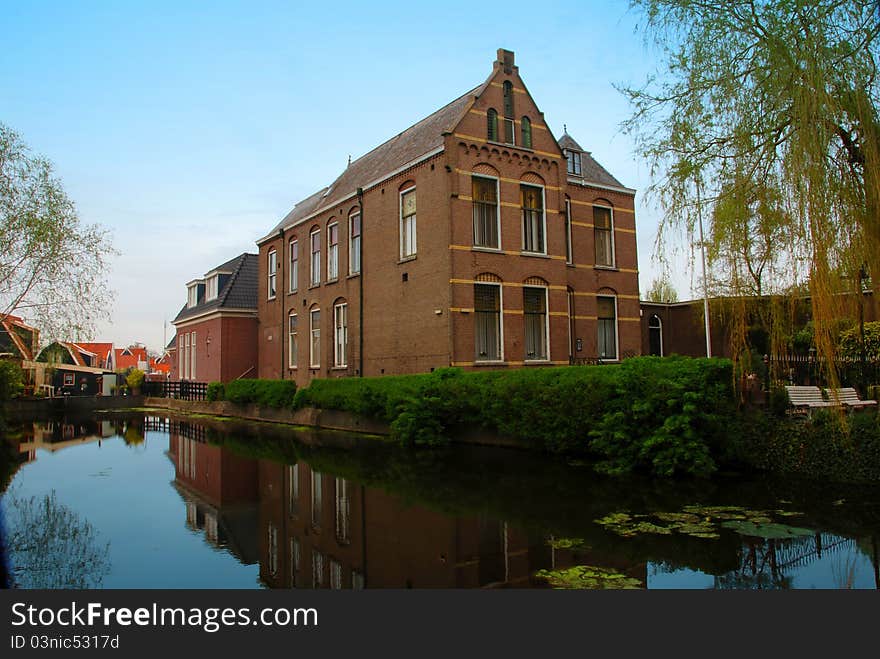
810	370
181	390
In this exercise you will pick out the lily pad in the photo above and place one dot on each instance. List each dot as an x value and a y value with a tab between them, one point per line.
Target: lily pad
588	577
768	531
567	543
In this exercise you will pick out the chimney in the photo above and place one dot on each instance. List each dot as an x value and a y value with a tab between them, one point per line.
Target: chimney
505	58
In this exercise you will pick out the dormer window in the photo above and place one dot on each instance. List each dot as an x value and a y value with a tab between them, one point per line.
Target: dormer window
192	298
211	291
574	162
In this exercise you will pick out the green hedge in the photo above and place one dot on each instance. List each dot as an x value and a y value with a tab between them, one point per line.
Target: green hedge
267	393
216	391
662	415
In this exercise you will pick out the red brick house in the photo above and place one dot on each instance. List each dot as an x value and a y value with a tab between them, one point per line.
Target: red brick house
473	238
216	338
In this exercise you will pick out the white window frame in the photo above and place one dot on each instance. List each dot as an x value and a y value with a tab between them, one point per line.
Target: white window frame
272	265
512	141
574	157
192	356
292	336
295	554
272	549
546	323
314	258
212	288
610	210
292	489
332	253
500	323
343	511
497	211
522	224
660	327
317	569
355	252
340	360
181	356
192	296
314	338
616	331
293	255
569	247
414	233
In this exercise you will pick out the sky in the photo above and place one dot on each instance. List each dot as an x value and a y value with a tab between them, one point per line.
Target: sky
190	129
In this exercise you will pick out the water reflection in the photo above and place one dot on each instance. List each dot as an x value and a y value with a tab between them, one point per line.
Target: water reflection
328	511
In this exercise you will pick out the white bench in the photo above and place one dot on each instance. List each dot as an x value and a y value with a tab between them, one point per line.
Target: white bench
849	397
807	398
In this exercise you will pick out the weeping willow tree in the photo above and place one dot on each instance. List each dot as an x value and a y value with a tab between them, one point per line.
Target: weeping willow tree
764	123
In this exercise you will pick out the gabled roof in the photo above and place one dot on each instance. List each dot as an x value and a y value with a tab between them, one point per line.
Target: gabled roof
102	350
591	170
10	338
129	357
238	292
407	147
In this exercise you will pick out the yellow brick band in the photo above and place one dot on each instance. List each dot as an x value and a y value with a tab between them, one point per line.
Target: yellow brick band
615	209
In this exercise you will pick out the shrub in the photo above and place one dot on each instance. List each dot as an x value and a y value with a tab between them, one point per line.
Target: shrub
135	378
11	379
216	391
662	415
266	393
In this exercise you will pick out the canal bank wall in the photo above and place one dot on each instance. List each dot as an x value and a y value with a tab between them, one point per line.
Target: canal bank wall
311	417
23	409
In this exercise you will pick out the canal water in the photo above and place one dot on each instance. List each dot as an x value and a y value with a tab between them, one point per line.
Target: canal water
153	502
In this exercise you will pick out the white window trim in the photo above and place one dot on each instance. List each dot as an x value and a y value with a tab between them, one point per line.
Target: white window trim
332	276
415	224
500	324
522	228
546	323
272	274
569	246
336	362
312	356
613	241
312	267
616	331
212	288
513	123
497	213
192	296
360	238
293	275
192	355
659	320
292	346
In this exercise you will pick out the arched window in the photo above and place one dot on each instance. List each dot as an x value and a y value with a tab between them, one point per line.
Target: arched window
655	335
492	125
526	127
340	333
314	337
509	132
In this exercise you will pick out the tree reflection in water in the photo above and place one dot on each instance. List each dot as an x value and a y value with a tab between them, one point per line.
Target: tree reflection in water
48	545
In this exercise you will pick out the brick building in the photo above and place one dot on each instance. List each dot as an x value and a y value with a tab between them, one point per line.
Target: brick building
473	238
216	338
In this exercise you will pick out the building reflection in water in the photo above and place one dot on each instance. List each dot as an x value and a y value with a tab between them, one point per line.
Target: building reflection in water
310	529
219	490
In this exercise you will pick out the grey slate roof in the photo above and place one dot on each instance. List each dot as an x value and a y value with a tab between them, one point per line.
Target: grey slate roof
591	170
239	291
417	140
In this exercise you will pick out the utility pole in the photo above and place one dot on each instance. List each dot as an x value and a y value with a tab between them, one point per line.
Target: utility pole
705	281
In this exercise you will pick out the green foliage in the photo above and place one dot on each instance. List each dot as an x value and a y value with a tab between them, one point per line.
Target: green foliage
135	378
51	264
11	379
779	401
662	290
660	415
266	393
826	446
216	391
850	346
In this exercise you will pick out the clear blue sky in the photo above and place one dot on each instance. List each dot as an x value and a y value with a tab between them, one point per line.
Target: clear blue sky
189	129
